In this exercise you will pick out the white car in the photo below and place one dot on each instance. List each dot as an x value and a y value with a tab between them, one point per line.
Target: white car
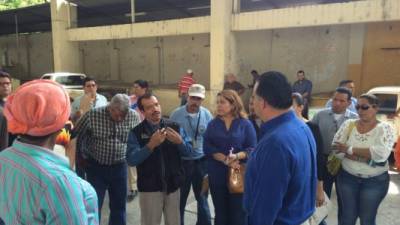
72	82
389	106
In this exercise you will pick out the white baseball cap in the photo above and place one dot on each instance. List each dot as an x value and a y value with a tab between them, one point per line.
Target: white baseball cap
189	71
197	90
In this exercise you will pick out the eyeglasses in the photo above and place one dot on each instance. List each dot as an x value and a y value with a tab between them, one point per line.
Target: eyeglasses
5	83
363	107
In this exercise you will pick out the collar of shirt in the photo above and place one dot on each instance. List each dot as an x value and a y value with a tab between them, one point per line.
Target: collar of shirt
272	124
37	151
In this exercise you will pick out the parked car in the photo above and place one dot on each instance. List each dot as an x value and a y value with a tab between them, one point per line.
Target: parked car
72	82
389	106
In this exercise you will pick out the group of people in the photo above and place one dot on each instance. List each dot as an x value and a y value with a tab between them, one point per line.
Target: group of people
126	147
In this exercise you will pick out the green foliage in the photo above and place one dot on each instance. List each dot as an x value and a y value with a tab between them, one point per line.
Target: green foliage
14	4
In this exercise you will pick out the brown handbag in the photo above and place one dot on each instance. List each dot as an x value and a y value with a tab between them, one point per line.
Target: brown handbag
236	179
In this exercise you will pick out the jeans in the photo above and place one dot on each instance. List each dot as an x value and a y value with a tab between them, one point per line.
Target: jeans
228	207
361	197
195	170
114	179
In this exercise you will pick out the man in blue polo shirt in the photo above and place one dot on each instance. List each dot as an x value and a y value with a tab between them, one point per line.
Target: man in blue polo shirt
193	118
281	178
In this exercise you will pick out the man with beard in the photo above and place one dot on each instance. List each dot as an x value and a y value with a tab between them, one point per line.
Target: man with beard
155	147
194	118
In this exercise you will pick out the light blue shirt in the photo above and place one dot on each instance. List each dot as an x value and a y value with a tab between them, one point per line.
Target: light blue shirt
189	124
352	106
99	102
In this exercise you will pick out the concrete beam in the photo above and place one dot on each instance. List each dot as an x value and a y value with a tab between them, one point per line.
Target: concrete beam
319	15
187	26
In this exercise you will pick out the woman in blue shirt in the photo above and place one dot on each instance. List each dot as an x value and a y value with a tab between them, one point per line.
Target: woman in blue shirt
229	130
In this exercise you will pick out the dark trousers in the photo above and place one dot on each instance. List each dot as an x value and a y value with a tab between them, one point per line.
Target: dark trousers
361	197
228	207
304	113
329	180
195	170
113	179
80	166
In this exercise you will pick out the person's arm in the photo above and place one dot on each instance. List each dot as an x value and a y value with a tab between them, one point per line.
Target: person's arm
321	164
379	151
182	140
135	154
69	201
82	126
272	181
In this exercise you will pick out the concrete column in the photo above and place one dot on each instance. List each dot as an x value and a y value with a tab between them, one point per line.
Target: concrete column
356	46
222	46
65	53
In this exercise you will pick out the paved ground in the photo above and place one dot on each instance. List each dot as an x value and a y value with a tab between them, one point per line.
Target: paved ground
388	212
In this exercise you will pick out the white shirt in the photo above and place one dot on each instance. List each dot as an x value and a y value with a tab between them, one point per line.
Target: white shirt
379	141
337	116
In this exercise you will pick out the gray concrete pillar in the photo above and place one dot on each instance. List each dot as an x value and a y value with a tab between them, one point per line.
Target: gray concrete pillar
65	52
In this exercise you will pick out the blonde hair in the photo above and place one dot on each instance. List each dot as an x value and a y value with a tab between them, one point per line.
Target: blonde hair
233	98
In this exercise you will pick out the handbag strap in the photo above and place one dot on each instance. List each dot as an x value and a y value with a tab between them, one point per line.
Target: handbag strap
350	129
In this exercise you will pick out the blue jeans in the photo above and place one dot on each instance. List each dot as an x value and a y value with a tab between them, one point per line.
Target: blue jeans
114	179
361	197
195	170
228	207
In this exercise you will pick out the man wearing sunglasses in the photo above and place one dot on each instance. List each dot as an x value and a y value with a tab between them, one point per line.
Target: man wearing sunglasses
329	121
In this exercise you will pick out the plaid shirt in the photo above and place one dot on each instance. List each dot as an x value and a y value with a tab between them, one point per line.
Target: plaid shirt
107	139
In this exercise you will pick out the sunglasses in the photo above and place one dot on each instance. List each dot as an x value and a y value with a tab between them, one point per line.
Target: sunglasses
363	107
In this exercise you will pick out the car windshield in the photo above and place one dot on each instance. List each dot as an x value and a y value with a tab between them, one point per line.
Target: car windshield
388	103
70	80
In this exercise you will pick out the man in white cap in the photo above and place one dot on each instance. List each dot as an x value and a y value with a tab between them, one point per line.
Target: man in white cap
194	118
184	84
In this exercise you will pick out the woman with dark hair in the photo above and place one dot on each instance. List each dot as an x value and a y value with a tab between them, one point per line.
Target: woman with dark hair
298	106
227	141
363	180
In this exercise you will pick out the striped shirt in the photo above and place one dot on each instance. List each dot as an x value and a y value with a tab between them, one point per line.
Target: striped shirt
106	139
185	83
38	187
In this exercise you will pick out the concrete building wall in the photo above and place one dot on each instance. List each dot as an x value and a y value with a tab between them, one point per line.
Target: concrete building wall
381	55
322	52
28	59
328	54
158	60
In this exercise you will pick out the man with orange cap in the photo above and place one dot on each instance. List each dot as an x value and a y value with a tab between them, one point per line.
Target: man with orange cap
37	186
